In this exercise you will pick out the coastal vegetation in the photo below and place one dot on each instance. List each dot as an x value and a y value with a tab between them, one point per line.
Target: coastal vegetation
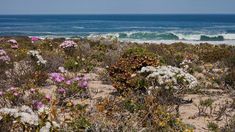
105	85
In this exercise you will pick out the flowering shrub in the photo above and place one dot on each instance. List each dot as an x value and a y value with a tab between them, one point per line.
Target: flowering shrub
69	87
4	58
25	119
123	72
34	39
36	55
69	47
13	95
68	44
168	77
14	44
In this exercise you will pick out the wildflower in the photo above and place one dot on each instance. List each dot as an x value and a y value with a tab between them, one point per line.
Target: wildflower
15	46
36	54
38	105
83	84
46	128
16	94
32	90
48	97
77	79
68	82
170	77
34	39
4	57
62	69
1	93
68	44
61	90
25	113
12	41
57	77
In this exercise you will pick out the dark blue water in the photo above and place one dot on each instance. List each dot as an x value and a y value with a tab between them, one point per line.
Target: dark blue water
124	27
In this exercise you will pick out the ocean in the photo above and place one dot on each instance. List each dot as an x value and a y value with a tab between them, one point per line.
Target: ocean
136	28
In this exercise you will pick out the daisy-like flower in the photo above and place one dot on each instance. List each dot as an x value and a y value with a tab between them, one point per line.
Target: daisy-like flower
36	54
68	44
170	77
4	57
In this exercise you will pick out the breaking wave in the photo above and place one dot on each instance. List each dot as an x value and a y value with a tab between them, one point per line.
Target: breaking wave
166	36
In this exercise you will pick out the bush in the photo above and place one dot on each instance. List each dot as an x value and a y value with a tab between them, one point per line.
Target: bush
123	72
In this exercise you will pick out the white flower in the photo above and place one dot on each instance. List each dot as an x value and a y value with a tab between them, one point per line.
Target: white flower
170	77
25	114
46	128
62	69
36	54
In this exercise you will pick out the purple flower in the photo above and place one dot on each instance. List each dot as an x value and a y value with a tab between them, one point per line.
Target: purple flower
83	84
38	104
57	77
61	90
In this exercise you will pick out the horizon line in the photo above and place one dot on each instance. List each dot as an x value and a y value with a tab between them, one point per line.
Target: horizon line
124	14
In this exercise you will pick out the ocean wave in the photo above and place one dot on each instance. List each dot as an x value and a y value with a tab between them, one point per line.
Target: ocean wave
166	36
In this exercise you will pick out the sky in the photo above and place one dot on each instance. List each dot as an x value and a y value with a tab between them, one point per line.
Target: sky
117	6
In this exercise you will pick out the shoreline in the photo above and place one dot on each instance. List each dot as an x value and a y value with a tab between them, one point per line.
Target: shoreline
110	39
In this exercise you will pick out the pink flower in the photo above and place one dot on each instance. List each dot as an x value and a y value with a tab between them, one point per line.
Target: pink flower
33	39
1	93
77	79
69	82
61	90
48	97
15	46
57	77
38	104
16	94
83	84
68	44
12	89
32	90
12	41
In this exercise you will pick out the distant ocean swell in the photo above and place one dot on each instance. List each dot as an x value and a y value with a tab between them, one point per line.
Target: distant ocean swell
166	36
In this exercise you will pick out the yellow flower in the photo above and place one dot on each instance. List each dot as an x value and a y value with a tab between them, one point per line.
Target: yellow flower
188	130
162	124
69	104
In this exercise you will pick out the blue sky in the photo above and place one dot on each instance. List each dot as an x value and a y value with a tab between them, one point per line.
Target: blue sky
117	6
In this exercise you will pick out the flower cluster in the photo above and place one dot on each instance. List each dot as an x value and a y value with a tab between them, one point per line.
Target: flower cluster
25	113
68	44
28	116
59	78
4	57
36	54
185	64
14	44
169	77
34	39
14	91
